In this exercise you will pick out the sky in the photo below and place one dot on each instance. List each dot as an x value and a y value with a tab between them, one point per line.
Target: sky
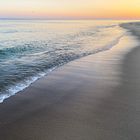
70	9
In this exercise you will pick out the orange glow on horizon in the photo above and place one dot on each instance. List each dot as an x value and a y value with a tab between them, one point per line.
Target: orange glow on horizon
70	9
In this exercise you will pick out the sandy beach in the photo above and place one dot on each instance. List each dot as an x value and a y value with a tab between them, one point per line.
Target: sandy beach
93	98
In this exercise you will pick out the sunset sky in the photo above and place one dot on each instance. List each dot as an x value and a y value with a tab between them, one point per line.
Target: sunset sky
73	9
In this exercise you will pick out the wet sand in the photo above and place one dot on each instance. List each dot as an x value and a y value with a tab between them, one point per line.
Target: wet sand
92	98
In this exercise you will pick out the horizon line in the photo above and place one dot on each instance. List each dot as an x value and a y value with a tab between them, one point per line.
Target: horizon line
1	18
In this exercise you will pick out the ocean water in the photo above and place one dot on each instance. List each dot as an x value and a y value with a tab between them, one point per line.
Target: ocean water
33	48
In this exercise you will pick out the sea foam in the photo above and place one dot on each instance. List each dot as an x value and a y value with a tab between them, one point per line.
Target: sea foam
30	50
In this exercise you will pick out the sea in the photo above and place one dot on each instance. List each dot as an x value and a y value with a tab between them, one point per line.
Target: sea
31	49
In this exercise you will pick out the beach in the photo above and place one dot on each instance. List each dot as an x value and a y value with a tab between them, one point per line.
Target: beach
92	98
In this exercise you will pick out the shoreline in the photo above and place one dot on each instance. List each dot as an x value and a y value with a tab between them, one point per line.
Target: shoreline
25	83
88	98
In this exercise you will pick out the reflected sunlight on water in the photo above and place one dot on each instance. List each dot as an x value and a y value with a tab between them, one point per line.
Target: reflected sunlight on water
29	49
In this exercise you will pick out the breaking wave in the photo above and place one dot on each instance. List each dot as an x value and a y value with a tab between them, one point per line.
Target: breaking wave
25	60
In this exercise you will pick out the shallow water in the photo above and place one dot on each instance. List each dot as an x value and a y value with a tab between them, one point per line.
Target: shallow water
31	49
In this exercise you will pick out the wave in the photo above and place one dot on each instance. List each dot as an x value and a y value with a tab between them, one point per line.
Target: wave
12	90
38	47
24	58
21	49
9	31
59	61
107	26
